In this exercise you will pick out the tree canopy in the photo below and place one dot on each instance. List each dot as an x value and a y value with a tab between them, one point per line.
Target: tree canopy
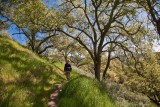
101	27
92	33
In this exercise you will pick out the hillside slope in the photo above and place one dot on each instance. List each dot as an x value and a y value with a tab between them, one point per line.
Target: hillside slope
84	92
25	79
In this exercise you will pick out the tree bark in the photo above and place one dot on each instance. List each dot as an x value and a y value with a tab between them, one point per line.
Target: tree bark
107	65
97	72
97	65
66	58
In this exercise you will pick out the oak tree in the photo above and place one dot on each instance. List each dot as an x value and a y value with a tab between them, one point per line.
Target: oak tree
100	26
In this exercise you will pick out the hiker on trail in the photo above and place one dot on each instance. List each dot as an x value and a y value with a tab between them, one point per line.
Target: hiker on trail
67	69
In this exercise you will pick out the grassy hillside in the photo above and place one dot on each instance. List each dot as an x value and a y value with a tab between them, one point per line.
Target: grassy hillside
84	92
25	79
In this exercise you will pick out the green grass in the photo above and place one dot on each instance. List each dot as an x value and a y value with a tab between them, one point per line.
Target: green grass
84	92
26	80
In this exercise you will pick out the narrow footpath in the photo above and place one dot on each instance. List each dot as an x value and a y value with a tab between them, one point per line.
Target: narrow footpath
54	97
53	100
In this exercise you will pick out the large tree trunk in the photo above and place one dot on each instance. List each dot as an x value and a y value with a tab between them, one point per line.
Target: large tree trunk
97	65
97	71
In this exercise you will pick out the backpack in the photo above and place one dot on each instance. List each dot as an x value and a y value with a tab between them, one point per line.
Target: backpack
68	67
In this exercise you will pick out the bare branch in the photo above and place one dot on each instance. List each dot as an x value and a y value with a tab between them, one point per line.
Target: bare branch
78	39
82	30
50	46
122	27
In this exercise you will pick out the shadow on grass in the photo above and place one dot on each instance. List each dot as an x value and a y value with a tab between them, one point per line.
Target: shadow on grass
24	81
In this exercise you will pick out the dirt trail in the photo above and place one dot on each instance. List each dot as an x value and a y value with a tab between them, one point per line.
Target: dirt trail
53	100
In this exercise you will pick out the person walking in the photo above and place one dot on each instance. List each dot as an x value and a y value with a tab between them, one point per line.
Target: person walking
67	69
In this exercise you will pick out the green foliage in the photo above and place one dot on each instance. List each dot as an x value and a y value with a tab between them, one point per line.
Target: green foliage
102	27
124	97
145	78
64	45
84	92
33	19
25	79
34	15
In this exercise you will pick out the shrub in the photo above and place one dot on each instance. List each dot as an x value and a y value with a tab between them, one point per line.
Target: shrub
84	92
125	98
145	78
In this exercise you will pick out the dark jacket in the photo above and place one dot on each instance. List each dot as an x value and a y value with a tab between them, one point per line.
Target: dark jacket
67	67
